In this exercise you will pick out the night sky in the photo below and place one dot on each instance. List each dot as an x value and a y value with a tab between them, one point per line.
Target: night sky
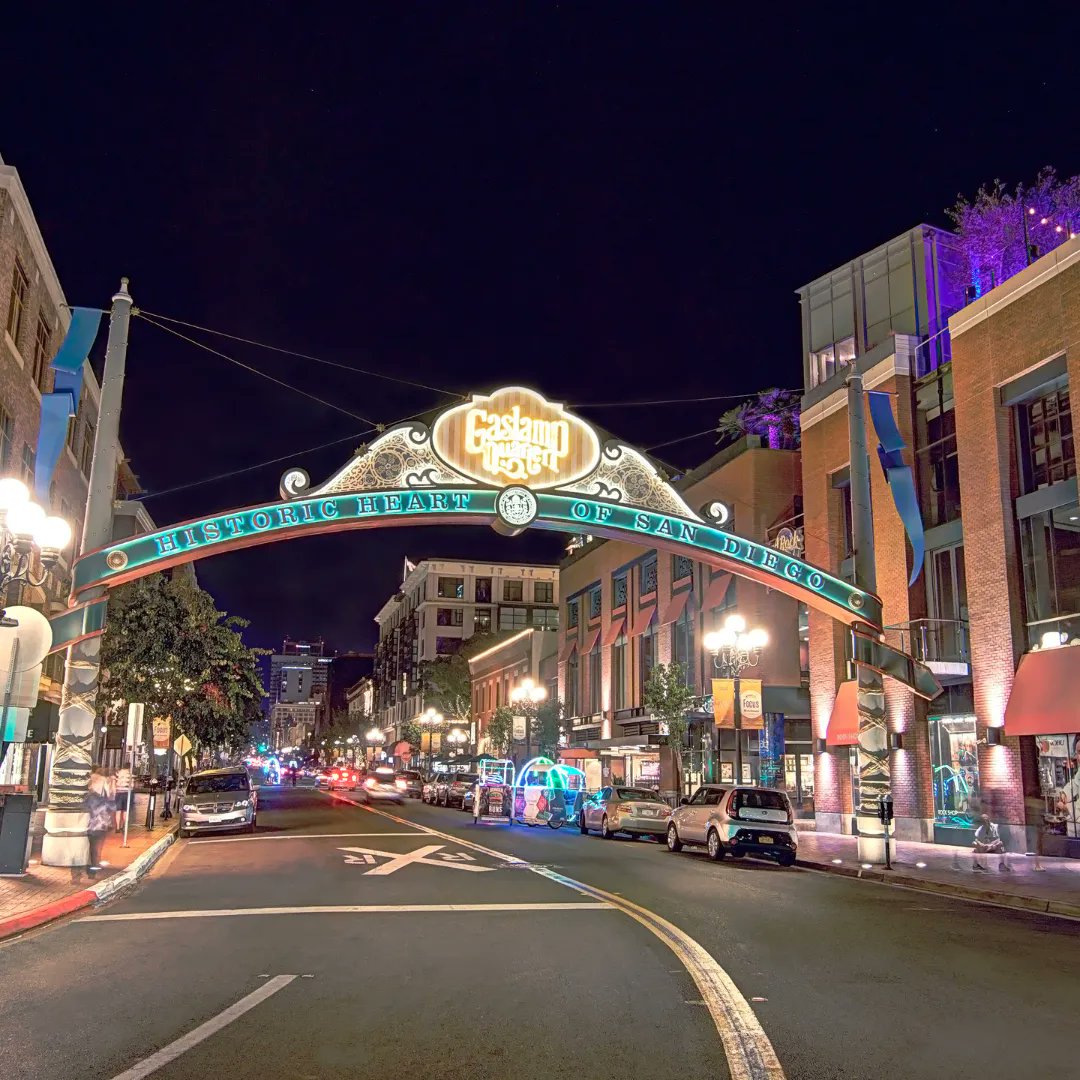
612	204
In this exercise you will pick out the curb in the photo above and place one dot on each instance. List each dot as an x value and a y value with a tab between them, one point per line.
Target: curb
94	894
1056	908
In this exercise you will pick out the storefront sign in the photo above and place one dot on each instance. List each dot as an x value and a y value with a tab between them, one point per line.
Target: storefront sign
750	703
161	734
790	542
723	702
515	436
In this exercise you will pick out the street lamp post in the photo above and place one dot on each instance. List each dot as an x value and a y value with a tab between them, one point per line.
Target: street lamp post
527	696
734	649
374	738
456	737
428	720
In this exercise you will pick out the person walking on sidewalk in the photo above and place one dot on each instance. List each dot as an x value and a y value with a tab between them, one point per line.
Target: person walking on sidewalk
124	787
988	842
100	801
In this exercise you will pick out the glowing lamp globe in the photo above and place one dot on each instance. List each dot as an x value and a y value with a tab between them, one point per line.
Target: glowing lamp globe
54	534
25	519
12	493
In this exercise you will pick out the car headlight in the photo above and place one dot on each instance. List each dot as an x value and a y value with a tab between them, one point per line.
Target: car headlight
189	807
241	803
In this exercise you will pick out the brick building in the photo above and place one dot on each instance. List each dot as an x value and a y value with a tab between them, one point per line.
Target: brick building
626	608
982	402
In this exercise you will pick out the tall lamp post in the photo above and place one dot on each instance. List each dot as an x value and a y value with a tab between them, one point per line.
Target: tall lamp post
528	697
26	532
374	738
456	738
734	649
429	720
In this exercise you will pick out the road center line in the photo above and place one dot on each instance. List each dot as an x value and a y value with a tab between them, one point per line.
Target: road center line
204	1031
750	1054
300	836
344	909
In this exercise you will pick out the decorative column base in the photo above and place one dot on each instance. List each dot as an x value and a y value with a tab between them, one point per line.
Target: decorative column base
872	841
65	842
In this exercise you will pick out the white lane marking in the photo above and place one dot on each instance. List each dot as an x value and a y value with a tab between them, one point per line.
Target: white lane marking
204	1031
344	909
427	855
298	836
750	1054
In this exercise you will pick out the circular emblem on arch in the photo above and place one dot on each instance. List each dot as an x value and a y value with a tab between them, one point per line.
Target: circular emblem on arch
116	560
516	506
295	482
855	600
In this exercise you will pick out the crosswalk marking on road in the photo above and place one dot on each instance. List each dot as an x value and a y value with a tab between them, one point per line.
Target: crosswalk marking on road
430	855
343	909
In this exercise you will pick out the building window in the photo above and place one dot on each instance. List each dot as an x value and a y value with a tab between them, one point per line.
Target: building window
445	616
572	684
648	576
1059	781
572	614
945	636
682	646
1051	554
452	588
618	672
513	591
825	363
1046	439
594	679
513	618
647	655
594	603
544	592
20	293
618	591
29	463
545	618
40	367
954	763
7	438
445	646
483	590
939	470
86	453
725	607
482	621
681	567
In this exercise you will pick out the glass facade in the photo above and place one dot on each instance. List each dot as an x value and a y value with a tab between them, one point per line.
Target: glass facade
647	655
954	763
1047	454
682	646
618	673
1059	783
1050	544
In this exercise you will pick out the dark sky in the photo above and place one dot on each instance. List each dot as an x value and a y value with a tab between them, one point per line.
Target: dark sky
611	202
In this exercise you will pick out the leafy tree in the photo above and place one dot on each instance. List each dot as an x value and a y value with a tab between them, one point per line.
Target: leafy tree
411	733
168	646
669	699
448	688
547	726
500	730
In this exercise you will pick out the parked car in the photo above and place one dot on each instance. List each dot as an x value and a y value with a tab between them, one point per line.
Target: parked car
413	781
381	785
218	799
615	809
430	790
344	776
454	788
736	821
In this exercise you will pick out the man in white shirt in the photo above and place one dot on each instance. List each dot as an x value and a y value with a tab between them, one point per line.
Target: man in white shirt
988	842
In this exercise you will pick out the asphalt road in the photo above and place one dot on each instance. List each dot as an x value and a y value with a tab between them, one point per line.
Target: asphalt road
476	965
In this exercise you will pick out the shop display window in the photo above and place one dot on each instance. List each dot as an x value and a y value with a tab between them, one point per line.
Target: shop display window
954	761
1059	783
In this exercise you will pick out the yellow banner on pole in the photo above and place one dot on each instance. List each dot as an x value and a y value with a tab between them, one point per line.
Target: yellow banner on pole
723	702
750	703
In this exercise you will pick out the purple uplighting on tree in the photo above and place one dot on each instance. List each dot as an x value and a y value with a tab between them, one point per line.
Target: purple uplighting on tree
773	414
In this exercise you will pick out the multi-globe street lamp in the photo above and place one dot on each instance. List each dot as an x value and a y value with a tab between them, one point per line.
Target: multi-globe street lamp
25	531
734	648
429	720
456	738
374	739
528	697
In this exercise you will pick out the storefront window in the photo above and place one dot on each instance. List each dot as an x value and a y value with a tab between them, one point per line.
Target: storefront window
682	646
1051	551
618	672
954	761
572	684
594	679
1059	783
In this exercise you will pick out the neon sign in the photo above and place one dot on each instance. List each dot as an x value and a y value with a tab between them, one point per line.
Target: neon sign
514	446
140	555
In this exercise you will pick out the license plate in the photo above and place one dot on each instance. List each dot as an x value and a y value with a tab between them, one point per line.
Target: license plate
765	840
648	813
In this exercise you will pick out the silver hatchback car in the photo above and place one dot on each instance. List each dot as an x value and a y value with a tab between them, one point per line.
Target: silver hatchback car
614	809
736	821
218	799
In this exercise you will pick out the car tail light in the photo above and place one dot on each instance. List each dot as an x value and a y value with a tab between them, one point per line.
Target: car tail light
334	776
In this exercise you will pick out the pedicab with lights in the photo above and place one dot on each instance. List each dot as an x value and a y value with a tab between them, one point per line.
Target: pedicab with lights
492	796
546	793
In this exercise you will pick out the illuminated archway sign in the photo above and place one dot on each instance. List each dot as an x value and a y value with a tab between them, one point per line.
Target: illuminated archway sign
511	460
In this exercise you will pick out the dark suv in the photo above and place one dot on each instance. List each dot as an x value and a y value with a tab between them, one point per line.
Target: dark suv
458	785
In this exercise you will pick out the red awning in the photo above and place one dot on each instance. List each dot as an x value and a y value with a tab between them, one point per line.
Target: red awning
617	627
717	590
642	619
674	607
591	638
1045	698
844	722
569	645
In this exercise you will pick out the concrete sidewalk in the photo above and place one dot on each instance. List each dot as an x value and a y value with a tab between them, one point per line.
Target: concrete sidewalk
1054	890
48	892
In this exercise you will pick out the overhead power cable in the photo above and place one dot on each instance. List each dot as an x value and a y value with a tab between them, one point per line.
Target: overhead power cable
666	401
299	355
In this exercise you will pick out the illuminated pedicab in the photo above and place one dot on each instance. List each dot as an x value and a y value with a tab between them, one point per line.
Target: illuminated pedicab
493	794
546	793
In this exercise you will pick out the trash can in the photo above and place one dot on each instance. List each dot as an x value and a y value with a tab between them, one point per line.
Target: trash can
16	810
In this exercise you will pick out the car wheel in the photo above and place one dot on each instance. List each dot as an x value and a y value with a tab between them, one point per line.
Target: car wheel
716	848
444	801
581	824
738	854
605	832
673	841
183	833
250	828
786	860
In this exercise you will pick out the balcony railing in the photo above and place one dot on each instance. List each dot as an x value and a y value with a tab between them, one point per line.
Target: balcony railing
943	641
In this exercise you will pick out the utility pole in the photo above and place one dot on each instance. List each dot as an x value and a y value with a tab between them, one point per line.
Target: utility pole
65	842
873	756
